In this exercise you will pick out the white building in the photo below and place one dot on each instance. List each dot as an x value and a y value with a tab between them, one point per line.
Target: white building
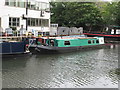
13	15
53	29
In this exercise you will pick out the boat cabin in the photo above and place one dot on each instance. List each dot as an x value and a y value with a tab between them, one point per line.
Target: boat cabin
115	30
70	42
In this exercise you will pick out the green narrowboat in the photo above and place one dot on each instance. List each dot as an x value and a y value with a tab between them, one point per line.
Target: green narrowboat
64	44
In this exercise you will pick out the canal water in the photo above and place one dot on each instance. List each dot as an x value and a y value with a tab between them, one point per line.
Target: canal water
89	68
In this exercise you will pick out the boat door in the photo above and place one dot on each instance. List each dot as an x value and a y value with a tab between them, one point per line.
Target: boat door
52	42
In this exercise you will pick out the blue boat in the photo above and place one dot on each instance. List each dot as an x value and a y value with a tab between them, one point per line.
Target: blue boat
12	47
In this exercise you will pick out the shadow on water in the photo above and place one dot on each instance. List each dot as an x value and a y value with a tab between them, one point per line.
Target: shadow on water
14	62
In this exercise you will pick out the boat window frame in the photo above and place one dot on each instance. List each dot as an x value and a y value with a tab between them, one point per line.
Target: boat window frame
67	43
89	42
97	41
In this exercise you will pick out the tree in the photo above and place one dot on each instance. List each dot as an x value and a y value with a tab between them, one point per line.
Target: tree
118	13
57	10
108	11
76	14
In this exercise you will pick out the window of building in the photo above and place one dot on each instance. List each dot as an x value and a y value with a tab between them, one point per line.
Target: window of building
33	7
89	41
45	22
18	3
67	43
12	2
43	6
32	21
22	4
6	2
97	41
38	22
31	4
47	7
14	22
37	6
28	20
40	6
28	5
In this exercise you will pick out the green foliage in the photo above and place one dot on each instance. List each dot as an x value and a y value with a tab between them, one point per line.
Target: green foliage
108	12
118	14
91	15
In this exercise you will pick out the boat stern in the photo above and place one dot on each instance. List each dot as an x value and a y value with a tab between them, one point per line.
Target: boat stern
101	40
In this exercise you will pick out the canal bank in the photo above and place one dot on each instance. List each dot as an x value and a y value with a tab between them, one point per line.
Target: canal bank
83	69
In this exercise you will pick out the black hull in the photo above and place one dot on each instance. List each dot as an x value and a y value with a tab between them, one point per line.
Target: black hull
51	50
13	54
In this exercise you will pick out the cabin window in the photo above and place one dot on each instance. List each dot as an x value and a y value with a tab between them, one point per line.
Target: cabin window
89	41
97	41
42	40
47	33
39	33
67	43
93	41
43	33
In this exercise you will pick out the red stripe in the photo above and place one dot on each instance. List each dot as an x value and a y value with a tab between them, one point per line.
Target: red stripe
102	35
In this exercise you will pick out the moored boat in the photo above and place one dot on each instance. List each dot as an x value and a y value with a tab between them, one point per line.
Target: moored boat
112	34
12	46
64	44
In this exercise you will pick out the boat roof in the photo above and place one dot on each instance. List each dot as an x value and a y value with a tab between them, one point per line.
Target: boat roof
62	38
